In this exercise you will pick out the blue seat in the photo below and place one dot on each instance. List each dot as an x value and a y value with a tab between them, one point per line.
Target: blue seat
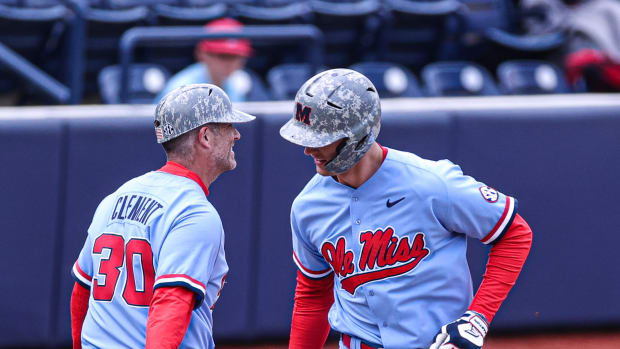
416	32
531	77
285	79
105	24
268	54
250	84
390	79
145	82
491	32
189	12
272	12
458	78
349	27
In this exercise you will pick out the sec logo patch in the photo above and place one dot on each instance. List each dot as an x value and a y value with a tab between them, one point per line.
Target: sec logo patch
489	194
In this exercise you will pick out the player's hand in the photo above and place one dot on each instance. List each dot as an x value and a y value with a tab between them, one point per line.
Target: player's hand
467	332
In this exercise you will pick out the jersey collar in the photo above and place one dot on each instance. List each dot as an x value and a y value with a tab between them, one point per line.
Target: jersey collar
180	170
385	150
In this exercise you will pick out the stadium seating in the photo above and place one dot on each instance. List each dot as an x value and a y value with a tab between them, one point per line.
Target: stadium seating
269	54
284	80
105	25
281	12
411	33
492	32
531	77
391	80
188	12
416	32
34	30
349	28
458	79
145	82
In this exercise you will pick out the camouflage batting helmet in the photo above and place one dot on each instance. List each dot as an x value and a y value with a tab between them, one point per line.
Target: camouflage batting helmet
191	106
332	105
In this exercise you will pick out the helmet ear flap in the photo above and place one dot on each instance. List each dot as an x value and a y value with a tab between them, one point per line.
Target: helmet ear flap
342	145
361	142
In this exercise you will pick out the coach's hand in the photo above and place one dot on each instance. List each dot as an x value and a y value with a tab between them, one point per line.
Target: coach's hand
467	332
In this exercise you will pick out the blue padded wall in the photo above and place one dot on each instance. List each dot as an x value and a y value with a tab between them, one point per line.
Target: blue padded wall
283	173
562	165
233	194
31	191
427	134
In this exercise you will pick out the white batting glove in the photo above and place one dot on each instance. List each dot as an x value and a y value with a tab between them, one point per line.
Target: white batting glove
467	332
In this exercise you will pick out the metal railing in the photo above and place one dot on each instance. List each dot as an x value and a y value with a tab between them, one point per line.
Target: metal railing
308	37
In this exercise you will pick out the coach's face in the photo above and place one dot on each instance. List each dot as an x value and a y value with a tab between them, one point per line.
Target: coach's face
323	155
225	135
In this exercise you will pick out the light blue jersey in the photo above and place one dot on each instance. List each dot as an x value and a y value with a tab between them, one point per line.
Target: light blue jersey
156	230
396	246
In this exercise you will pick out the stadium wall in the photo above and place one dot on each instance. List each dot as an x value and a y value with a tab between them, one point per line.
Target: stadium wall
558	155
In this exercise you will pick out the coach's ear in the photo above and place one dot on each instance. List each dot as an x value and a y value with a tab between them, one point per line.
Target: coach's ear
205	136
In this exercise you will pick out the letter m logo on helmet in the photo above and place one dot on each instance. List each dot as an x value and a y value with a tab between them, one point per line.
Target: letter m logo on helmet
302	114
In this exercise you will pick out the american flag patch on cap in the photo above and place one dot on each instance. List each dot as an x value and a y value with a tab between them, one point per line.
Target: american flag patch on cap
159	133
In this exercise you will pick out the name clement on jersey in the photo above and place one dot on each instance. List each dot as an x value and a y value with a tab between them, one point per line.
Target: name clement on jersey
135	207
383	253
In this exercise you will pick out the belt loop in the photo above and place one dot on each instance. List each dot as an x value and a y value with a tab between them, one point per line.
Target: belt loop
346	340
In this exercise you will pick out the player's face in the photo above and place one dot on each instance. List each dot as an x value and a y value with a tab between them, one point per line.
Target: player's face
222	65
323	155
225	136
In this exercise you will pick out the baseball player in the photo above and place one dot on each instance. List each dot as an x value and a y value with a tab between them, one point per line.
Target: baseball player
153	263
379	235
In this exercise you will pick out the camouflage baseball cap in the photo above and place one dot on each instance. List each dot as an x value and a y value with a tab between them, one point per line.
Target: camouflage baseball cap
188	107
332	105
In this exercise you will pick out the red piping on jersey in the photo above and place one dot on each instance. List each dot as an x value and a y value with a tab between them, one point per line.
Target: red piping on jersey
180	170
86	276
311	272
501	220
168	276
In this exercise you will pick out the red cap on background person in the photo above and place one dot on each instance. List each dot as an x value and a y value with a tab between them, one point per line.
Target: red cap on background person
237	47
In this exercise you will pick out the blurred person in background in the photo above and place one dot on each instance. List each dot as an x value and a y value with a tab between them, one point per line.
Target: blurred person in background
594	45
591	53
217	61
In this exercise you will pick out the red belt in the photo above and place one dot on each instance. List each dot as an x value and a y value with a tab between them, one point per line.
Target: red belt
346	340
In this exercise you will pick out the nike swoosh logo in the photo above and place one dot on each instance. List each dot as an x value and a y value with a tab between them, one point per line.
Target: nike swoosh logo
390	204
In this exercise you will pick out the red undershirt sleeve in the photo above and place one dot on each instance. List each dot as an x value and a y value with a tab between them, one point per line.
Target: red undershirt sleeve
506	260
170	312
79	307
313	298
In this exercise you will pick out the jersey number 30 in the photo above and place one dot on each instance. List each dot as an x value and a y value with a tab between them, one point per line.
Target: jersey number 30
124	256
